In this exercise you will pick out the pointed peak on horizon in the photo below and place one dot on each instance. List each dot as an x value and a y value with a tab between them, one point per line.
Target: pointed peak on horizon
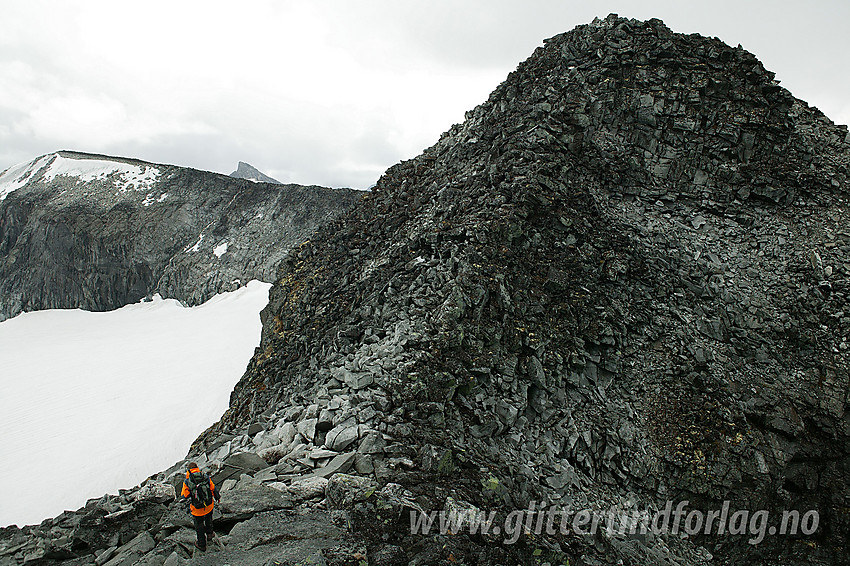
251	173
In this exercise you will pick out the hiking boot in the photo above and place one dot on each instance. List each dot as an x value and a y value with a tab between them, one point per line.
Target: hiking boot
199	547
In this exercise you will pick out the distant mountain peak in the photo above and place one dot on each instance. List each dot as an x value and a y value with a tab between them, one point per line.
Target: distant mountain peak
251	173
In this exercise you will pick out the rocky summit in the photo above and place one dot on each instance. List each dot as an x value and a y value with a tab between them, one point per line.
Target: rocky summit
620	284
96	232
247	171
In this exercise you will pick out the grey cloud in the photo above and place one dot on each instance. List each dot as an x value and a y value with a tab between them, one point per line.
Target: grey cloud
419	53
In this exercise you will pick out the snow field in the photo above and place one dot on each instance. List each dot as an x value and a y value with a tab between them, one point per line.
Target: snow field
95	402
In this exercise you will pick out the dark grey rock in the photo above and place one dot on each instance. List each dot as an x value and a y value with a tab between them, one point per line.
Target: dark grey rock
307	428
345	490
341	437
364	464
255	428
372	443
106	555
130	553
308	487
240	504
437	459
266	475
583	291
389	555
340	463
237	464
321	454
280	536
325	420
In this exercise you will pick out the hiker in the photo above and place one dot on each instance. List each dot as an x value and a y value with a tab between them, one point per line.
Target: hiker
199	492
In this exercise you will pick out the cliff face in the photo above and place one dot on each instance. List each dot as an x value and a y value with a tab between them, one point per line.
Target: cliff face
96	232
621	281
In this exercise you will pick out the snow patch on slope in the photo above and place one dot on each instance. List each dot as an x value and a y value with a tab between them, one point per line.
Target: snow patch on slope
125	176
19	175
220	250
103	399
196	247
151	199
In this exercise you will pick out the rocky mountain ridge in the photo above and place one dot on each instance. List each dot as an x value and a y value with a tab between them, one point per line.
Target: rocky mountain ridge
621	281
97	232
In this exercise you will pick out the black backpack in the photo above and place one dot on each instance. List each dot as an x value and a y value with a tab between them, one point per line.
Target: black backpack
200	493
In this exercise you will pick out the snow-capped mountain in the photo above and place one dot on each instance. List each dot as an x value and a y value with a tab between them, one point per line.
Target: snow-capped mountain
99	232
125	175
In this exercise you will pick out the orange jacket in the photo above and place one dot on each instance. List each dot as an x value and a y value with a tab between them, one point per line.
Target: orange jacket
185	493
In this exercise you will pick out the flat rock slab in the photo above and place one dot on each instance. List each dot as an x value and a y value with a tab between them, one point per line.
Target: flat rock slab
340	464
131	552
340	437
239	504
238	464
308	487
283	537
176	517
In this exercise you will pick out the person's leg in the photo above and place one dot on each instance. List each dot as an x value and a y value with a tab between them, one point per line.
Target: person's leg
208	525
200	530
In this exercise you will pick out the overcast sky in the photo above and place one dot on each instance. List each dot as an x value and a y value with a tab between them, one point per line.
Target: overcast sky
329	92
